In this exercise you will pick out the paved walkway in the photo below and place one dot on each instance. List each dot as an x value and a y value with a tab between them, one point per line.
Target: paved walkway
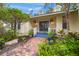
27	49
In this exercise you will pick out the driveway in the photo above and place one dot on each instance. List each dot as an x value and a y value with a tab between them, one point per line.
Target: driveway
29	48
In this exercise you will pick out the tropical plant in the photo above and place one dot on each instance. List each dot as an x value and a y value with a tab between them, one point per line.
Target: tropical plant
9	35
31	33
74	35
21	39
69	47
51	34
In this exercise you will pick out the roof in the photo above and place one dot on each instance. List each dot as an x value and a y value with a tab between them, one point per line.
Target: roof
51	14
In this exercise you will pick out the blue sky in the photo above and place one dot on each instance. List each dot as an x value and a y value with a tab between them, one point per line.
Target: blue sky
27	7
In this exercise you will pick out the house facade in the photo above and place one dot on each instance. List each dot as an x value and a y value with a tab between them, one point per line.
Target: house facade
51	22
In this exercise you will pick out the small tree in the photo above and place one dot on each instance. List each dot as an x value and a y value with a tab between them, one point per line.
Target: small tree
18	17
13	16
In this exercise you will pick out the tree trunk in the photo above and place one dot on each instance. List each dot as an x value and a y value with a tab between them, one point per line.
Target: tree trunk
19	24
66	9
14	23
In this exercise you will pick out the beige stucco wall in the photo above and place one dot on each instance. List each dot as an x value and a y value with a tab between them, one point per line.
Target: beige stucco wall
25	27
58	23
55	24
74	22
34	24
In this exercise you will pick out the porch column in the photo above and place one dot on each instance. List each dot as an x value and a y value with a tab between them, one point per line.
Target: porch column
34	25
58	23
49	28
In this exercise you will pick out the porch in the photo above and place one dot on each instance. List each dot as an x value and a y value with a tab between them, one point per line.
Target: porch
42	25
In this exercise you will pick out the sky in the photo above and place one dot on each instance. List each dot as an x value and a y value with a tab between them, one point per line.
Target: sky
28	7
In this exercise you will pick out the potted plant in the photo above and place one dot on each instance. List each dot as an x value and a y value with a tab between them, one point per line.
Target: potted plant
51	36
31	33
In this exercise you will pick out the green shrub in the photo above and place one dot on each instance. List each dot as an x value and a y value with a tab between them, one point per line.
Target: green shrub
30	32
9	35
51	34
22	38
74	35
2	42
61	31
69	46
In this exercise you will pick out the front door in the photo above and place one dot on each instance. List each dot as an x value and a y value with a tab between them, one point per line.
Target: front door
43	25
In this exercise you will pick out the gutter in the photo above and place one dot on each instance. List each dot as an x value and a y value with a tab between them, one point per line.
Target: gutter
51	14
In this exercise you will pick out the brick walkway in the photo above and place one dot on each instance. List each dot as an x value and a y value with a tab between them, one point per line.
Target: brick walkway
27	49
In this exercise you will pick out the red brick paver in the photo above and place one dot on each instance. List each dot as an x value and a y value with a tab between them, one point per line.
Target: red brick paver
27	49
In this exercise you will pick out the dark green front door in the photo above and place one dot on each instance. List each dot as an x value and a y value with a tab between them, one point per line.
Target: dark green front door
43	25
